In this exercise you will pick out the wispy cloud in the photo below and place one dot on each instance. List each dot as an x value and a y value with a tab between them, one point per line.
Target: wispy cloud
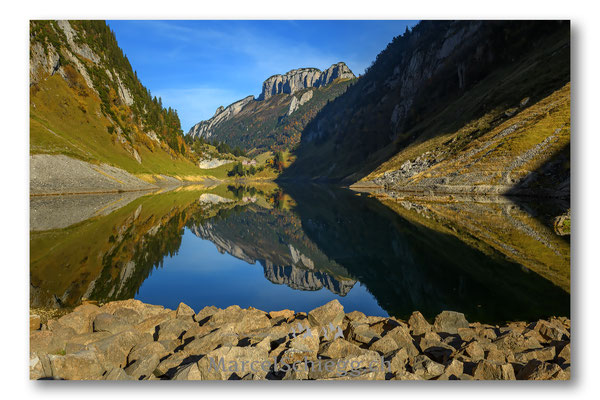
196	66
271	52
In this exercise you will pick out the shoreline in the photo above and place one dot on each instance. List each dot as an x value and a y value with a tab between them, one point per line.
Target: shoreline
60	175
131	340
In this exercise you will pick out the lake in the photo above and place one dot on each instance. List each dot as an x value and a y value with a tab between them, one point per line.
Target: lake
298	246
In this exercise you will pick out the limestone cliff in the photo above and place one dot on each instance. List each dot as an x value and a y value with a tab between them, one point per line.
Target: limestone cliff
303	78
204	129
266	122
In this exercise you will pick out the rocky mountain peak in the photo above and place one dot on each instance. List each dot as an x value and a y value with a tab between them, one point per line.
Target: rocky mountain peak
302	78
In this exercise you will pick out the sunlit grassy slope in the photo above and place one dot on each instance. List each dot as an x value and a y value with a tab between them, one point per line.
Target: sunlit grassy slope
62	122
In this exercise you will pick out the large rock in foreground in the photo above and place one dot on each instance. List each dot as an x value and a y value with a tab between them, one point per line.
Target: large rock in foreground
130	340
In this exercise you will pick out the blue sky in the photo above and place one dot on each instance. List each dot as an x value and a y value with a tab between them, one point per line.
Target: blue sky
197	66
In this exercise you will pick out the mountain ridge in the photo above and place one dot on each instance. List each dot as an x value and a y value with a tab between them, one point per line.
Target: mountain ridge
444	82
264	122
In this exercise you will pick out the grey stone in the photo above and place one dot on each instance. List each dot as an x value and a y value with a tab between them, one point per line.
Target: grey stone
109	323
185	312
330	313
117	374
143	367
450	322
83	365
418	324
426	367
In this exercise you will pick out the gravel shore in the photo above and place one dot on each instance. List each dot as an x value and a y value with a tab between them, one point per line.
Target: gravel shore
59	174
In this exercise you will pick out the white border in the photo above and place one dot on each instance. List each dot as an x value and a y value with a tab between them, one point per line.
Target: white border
14	157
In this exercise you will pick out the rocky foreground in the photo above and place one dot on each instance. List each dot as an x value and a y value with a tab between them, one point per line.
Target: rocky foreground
130	340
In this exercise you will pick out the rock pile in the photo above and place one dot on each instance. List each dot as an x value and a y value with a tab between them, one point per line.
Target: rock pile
130	340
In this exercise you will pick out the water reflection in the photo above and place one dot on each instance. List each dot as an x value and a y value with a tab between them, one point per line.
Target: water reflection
313	243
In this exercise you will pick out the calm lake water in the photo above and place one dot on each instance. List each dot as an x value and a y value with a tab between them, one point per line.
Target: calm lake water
298	247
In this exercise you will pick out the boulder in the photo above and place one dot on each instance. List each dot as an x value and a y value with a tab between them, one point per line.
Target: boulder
46	342
564	356
552	330
173	329
298	371
145	310
37	369
117	374
497	356
112	351
384	325
35	322
474	351
244	321
188	372
467	334
516	343
544	354
83	365
404	340
356	316
340	348
230	362
300	347
205	313
224	336
450	322
78	321
185	312
426	367
453	370
540	370
367	366
398	360
145	350
363	334
406	376
143	367
169	365
432	346
60	330
109	323
88	309
330	313
418	324
150	324
487	370
197	331
287	314
128	315
384	345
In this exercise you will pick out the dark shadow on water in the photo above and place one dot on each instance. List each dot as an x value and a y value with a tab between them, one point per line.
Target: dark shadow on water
545	192
408	267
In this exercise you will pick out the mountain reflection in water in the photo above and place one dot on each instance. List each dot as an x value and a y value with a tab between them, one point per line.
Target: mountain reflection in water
310	244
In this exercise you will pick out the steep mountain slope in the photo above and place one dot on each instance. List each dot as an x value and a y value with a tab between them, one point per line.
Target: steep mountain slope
528	154
441	86
276	118
86	102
